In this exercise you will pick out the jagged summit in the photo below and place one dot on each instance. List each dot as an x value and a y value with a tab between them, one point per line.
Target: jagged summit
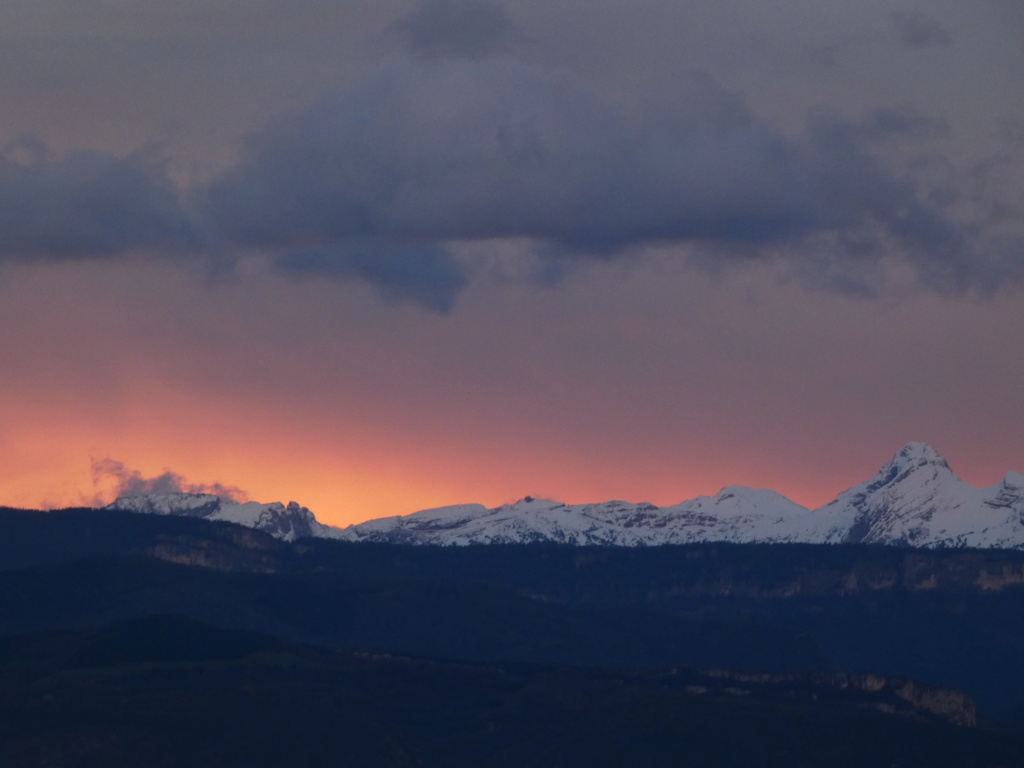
919	454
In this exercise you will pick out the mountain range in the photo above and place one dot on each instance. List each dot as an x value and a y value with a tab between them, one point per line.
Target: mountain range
149	635
914	500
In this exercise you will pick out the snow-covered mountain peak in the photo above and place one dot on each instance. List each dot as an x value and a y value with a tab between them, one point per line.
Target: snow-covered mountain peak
1009	494
914	467
1013	481
916	500
738	504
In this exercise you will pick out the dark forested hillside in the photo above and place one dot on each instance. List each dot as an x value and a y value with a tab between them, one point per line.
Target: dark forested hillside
173	692
498	655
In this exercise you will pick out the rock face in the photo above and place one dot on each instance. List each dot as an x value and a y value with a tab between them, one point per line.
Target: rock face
287	523
888	694
914	500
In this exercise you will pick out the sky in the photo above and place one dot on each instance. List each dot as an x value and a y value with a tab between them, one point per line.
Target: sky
378	256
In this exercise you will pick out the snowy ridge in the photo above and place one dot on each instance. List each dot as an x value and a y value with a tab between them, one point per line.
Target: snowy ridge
287	523
914	500
734	514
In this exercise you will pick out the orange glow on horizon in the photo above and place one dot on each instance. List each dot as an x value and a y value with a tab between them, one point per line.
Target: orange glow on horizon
366	476
362	475
343	477
370	414
347	469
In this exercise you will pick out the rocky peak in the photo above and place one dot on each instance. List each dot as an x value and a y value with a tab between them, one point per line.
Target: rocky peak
917	455
1009	494
917	460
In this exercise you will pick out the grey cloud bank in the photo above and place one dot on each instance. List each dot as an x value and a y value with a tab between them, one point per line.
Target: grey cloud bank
460	28
459	142
427	275
919	30
423	153
86	204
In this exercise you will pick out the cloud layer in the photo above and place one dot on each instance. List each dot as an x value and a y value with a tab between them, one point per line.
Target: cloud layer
85	205
423	154
919	30
427	275
459	28
459	142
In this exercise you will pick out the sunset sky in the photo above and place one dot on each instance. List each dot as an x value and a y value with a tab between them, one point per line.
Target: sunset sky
378	256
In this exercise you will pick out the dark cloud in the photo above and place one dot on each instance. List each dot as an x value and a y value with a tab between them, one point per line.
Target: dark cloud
1011	130
130	482
889	215
426	275
376	184
85	204
460	150
919	30
901	123
460	28
475	150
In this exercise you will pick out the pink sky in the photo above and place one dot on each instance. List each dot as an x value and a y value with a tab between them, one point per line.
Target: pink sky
355	258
